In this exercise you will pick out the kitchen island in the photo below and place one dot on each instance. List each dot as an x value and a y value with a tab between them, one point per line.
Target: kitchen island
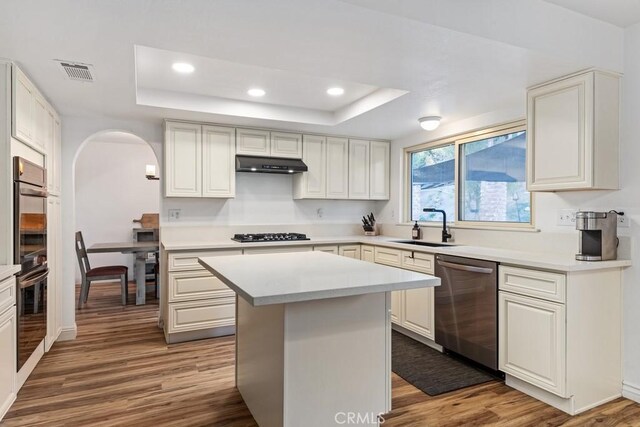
313	335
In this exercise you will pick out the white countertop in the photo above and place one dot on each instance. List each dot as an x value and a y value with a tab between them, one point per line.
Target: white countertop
8	270
264	279
543	261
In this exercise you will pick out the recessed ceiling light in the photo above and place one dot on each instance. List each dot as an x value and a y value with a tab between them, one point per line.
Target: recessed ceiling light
256	92
335	91
183	67
429	122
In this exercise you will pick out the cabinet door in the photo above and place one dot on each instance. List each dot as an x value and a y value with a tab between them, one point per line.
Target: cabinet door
560	134
8	365
330	249
379	170
50	151
40	117
183	160
253	142
337	168
23	107
418	311
350	251
57	156
358	169
532	339
53	304
312	184
284	144
396	306
218	161
367	253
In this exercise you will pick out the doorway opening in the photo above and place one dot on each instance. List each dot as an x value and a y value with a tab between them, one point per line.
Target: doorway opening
113	188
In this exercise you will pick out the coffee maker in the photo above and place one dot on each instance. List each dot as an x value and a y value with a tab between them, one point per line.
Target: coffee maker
598	235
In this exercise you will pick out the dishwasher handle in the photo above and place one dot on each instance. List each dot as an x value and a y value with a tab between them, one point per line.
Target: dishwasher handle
462	267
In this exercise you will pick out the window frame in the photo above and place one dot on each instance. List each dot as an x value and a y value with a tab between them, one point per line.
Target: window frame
458	141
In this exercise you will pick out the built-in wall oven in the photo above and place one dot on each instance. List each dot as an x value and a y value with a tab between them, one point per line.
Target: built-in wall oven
466	308
30	251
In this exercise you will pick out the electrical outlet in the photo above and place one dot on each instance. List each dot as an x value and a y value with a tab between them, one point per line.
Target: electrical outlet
567	217
623	221
174	214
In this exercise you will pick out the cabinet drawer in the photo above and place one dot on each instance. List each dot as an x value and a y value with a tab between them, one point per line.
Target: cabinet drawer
277	250
183	261
367	253
418	261
195	285
392	257
7	293
533	283
205	314
350	251
331	249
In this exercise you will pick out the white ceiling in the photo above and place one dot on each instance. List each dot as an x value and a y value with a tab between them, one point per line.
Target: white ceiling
456	59
621	13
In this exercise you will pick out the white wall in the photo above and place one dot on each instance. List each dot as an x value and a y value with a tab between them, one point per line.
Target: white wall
111	190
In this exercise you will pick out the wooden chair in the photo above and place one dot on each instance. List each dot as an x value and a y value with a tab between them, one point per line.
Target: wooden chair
119	272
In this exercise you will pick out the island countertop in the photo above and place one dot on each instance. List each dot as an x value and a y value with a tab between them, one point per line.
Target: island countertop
264	279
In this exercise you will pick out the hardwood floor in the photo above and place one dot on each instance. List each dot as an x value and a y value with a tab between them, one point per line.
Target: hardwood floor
120	372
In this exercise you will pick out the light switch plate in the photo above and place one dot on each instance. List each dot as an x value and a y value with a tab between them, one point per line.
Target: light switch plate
623	221
174	214
567	217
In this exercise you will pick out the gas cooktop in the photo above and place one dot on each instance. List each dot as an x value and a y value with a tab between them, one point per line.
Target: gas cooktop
269	237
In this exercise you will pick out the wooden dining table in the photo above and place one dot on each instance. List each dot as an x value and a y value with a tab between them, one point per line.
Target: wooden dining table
141	250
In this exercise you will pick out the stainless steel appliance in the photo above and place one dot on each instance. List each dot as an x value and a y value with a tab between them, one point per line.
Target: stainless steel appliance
269	237
269	165
466	308
598	235
30	251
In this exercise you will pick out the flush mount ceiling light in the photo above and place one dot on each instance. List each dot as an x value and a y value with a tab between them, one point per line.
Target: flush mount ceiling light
335	91
429	122
183	67
256	92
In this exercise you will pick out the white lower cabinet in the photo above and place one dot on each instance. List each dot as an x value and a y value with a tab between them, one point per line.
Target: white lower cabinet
532	341
330	249
559	335
197	304
350	251
367	253
412	309
8	351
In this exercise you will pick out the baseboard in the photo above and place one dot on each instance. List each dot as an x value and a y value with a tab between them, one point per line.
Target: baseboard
631	391
68	333
179	337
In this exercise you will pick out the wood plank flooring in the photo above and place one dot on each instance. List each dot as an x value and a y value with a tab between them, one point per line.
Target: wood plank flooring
120	372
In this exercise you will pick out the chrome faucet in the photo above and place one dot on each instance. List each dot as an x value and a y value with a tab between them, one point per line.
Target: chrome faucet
445	234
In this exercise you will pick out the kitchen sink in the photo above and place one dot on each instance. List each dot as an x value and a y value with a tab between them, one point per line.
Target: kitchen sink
422	243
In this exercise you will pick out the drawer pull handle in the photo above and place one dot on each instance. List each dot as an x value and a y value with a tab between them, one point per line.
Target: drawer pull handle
462	267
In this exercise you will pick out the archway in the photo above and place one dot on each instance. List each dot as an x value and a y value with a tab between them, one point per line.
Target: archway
109	189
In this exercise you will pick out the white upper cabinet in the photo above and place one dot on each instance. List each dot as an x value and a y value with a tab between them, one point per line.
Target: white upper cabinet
358	169
57	156
573	133
50	149
183	160
218	160
379	153
199	161
23	111
337	168
43	123
253	142
312	184
285	144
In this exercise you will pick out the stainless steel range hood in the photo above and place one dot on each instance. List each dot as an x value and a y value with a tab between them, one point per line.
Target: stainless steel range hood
269	165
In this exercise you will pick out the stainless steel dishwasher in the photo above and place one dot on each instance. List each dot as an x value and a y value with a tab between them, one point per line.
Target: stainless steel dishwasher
466	308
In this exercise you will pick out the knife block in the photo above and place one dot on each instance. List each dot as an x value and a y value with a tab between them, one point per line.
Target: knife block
375	232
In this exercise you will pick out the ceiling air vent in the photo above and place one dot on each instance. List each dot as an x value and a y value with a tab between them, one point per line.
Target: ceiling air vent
77	71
